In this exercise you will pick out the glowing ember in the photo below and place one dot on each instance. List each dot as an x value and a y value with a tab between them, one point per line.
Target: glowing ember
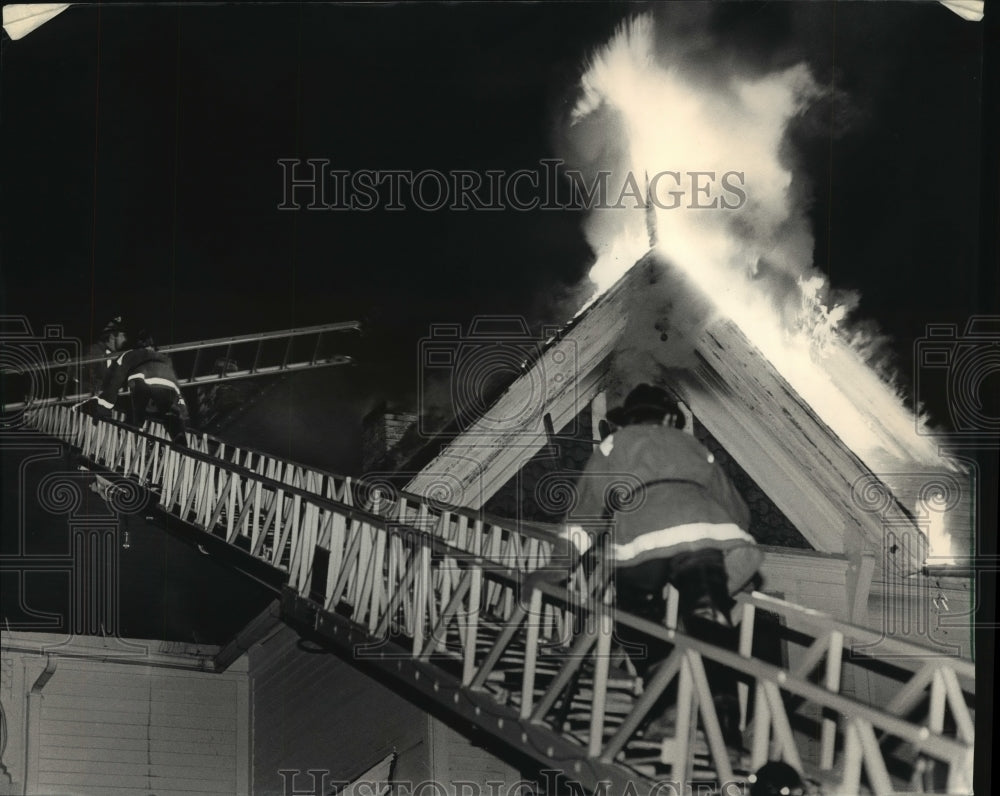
677	133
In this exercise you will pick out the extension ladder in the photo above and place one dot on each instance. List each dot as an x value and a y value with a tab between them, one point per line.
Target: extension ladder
51	373
433	595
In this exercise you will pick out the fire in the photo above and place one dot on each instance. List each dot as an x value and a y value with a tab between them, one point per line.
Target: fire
655	113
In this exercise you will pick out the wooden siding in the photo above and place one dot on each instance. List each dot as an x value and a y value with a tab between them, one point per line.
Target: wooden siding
465	768
109	729
316	711
811	579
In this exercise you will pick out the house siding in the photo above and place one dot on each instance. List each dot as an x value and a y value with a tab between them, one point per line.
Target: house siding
315	712
109	729
465	768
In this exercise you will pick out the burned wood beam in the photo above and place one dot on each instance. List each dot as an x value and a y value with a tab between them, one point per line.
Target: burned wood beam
803	466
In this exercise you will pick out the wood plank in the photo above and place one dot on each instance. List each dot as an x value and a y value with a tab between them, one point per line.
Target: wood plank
65	782
120	717
139	731
209	775
485	457
732	388
97	745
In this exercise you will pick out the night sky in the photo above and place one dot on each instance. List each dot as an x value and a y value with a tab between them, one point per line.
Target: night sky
141	148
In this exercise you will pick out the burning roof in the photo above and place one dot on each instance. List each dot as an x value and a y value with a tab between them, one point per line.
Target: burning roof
727	306
655	325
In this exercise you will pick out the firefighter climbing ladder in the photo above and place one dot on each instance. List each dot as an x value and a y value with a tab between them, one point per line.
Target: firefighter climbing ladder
201	362
431	594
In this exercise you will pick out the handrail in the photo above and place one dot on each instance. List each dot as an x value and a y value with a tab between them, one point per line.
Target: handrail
322	481
442	588
345	326
257	364
910	655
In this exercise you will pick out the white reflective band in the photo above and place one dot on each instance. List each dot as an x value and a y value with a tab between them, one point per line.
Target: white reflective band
576	536
105	404
158	382
681	534
608	444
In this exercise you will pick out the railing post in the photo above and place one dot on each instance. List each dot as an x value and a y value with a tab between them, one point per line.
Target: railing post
828	733
761	741
878	776
673	606
746	650
960	773
680	760
420	594
531	653
602	659
851	782
472	629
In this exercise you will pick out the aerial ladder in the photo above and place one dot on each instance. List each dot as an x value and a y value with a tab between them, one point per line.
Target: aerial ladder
434	596
47	369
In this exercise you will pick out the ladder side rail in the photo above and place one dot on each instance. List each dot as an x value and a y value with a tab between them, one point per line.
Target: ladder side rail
218	342
118	427
344	326
477	673
910	655
921	675
954	752
334	360
926	739
822	621
950	751
525	530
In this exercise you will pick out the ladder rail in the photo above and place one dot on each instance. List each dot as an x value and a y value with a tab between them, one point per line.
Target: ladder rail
907	654
286	533
60	392
254	337
192	381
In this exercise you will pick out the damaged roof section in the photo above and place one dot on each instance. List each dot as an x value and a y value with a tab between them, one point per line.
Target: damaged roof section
654	325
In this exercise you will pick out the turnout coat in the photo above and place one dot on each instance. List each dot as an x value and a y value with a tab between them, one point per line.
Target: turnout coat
660	493
145	365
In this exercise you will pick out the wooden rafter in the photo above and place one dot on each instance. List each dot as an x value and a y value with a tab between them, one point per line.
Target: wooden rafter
733	390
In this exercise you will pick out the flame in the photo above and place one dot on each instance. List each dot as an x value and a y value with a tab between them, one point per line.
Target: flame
939	540
656	113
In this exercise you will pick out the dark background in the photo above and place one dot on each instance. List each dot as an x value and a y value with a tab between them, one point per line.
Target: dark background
140	149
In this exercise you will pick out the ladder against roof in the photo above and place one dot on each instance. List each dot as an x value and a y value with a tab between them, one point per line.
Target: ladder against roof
42	374
433	596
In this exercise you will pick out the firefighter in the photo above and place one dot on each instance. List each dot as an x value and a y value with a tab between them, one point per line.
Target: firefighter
111	342
674	517
152	385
